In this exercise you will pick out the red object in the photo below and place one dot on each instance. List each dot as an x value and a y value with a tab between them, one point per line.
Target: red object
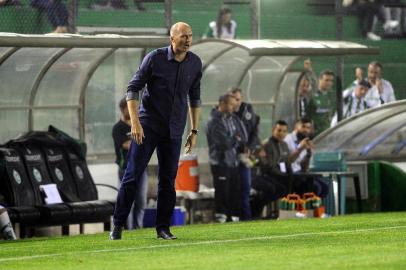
318	212
187	178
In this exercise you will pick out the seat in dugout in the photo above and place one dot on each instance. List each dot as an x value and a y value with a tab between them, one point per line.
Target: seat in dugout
25	166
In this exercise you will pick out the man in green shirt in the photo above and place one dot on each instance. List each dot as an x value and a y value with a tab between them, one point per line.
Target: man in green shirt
322	103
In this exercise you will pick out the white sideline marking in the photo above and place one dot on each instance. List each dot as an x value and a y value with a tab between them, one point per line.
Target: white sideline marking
201	243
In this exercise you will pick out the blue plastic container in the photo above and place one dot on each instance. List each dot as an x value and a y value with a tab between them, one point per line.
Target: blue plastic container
178	217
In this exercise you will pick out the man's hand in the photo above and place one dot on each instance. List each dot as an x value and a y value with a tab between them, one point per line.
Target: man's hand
379	86
137	132
304	144
190	142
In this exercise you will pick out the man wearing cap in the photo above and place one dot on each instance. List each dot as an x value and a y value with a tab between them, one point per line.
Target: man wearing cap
355	102
171	77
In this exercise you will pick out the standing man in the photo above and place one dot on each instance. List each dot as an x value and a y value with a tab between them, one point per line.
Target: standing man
304	90
381	91
323	102
249	119
355	102
122	140
224	138
172	78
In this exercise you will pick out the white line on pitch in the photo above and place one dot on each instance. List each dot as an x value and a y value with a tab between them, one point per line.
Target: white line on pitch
261	238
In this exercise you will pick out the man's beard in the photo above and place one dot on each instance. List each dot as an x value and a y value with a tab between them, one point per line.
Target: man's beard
301	136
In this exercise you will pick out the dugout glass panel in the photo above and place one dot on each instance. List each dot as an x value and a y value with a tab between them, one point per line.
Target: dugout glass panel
260	83
3	50
285	99
106	88
209	50
19	72
392	133
223	73
12	123
359	143
62	83
389	145
63	119
337	138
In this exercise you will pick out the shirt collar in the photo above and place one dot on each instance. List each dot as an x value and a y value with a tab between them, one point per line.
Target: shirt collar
171	55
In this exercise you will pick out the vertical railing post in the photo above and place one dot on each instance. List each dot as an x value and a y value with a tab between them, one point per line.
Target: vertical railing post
339	59
168	14
254	19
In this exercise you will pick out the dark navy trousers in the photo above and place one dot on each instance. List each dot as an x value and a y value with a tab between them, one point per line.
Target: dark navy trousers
245	178
168	151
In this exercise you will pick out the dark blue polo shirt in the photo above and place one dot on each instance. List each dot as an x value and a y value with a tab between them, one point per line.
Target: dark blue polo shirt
169	86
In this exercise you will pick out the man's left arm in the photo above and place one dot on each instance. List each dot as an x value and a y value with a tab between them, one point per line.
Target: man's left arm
194	111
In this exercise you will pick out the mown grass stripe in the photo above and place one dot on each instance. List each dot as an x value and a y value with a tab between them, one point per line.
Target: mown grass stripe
260	238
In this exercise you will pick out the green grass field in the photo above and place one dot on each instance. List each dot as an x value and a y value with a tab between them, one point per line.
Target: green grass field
373	241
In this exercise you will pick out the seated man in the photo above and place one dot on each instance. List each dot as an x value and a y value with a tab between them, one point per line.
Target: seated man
269	188
300	148
277	163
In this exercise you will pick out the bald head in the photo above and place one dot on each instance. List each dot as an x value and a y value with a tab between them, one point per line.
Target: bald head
178	27
181	39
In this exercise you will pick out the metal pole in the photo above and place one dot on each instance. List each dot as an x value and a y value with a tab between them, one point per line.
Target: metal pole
168	14
254	19
339	59
73	14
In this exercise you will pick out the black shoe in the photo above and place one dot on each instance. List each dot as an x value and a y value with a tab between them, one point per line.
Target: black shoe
115	234
166	235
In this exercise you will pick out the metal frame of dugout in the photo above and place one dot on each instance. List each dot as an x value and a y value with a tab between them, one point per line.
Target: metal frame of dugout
264	69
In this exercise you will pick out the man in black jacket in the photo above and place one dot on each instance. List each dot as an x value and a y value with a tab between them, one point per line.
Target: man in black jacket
272	181
224	137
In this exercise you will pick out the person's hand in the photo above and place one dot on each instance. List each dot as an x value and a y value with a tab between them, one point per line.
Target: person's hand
262	153
190	142
137	132
379	85
310	145
304	144
359	74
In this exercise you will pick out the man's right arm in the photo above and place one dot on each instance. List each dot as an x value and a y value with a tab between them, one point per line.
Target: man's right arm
137	132
135	85
140	78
